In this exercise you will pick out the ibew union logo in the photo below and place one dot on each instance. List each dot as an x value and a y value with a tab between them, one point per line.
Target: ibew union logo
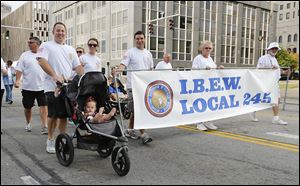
159	98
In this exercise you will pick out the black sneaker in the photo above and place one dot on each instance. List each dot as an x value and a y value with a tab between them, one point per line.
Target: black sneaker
146	138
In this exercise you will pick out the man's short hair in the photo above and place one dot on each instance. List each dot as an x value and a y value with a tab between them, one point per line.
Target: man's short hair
139	33
59	23
36	39
93	39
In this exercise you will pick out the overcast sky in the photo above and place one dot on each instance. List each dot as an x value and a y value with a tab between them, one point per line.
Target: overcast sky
14	4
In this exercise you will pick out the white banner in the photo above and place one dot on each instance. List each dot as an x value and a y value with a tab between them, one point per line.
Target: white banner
171	98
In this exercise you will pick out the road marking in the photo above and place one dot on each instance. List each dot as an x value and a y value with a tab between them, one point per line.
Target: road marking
28	180
260	141
283	135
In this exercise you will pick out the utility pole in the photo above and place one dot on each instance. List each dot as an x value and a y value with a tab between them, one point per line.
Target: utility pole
272	27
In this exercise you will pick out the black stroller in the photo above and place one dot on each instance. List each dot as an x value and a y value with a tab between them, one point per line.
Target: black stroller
124	107
102	137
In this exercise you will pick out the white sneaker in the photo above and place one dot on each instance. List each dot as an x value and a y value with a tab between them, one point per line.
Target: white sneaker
279	122
50	146
253	117
210	126
28	127
201	126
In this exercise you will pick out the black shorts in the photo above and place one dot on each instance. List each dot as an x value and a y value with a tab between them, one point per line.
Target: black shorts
56	106
30	96
130	100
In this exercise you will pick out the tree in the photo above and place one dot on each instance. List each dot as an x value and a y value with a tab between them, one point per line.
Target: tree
286	59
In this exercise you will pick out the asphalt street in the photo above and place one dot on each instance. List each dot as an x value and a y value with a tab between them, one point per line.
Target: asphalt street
240	152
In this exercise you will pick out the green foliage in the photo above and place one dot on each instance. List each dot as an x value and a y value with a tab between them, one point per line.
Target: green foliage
286	59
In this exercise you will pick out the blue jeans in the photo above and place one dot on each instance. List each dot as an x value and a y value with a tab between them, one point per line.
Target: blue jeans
8	89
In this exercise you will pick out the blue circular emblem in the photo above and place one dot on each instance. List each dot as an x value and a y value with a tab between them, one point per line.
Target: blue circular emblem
159	98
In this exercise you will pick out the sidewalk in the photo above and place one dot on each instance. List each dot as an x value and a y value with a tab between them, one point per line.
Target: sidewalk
292	96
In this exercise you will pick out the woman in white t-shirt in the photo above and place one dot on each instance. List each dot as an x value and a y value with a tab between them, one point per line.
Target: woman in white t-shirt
204	61
90	61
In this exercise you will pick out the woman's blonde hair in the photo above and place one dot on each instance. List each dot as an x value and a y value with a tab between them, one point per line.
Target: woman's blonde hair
203	44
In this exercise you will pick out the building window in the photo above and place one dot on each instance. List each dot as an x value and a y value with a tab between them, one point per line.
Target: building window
295	50
295	37
125	16
288	15
103	46
281	7
288	5
290	38
280	39
280	16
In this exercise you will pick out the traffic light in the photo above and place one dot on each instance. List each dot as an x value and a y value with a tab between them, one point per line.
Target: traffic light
171	24
7	34
150	28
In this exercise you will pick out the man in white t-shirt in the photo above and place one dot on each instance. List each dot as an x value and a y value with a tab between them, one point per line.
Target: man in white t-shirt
136	58
269	61
32	84
58	60
3	72
166	63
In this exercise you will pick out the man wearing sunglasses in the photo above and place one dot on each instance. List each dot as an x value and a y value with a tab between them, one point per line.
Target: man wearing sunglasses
90	61
269	61
32	84
79	51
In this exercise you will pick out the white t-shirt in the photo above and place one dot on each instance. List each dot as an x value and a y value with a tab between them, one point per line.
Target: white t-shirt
62	58
163	65
202	62
10	74
267	61
33	74
136	59
2	67
91	63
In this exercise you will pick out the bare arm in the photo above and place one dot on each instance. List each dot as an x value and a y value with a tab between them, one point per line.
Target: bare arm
18	77
4	71
48	69
79	70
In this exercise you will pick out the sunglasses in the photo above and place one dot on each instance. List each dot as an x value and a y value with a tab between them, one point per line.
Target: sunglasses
79	52
92	45
207	48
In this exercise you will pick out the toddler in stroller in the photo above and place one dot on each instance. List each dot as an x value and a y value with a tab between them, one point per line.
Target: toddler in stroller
91	114
116	88
103	136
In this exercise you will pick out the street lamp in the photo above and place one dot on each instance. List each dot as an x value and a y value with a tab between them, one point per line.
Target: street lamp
7	34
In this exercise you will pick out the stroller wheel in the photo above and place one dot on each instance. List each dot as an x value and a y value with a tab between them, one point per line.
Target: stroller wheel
64	149
106	151
120	161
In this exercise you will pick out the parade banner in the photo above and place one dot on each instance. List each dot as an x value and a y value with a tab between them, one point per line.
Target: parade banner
172	98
